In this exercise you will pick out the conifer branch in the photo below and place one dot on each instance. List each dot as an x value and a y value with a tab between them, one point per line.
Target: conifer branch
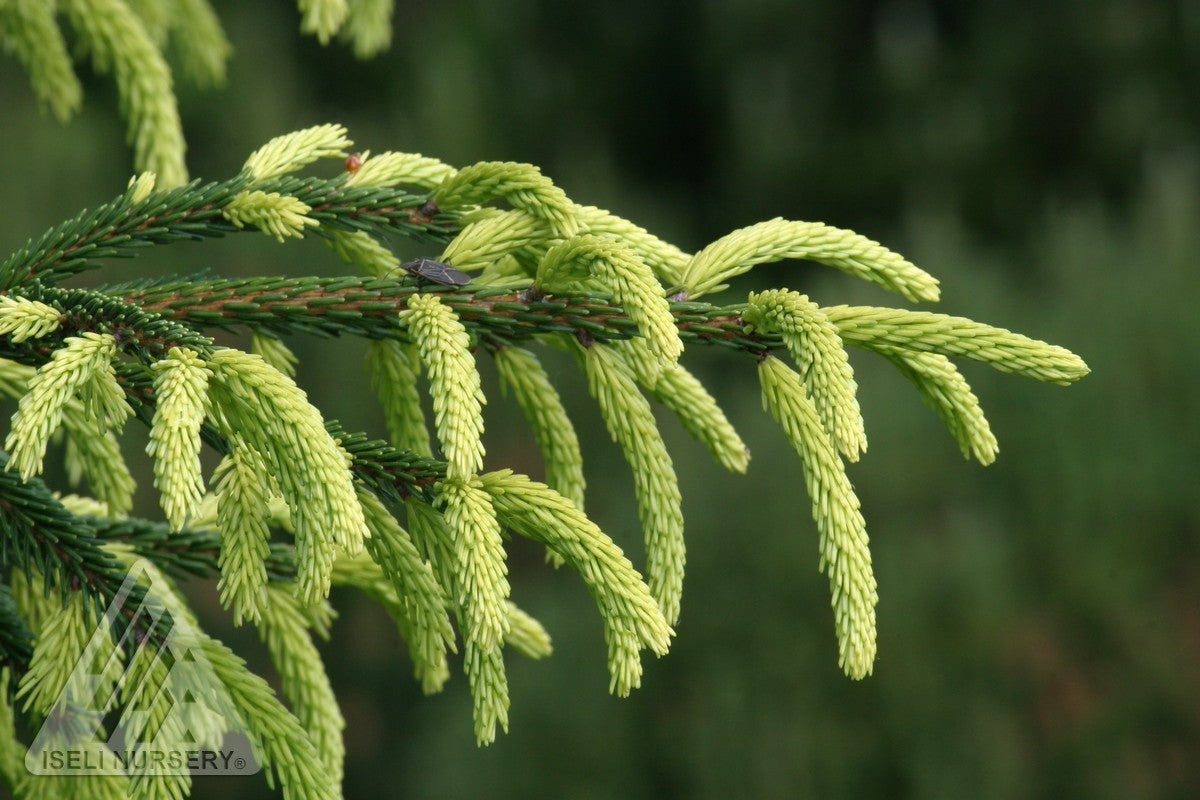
543	270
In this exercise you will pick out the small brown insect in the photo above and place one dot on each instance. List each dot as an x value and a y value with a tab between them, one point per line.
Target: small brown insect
437	272
353	162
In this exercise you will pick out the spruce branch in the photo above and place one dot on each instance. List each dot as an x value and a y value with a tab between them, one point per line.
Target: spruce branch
22	318
835	507
243	492
521	372
119	228
525	634
630	280
265	409
816	347
631	425
420	605
481	575
54	656
523	186
145	690
399	169
443	344
698	411
196	211
323	18
923	331
42	537
779	239
71	368
482	663
181	385
543	271
286	632
88	453
294	151
632	617
944	389
281	740
395	369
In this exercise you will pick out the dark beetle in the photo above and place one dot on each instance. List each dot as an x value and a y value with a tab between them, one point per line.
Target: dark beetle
437	272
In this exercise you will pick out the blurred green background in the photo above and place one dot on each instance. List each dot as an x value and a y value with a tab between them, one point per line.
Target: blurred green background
1039	622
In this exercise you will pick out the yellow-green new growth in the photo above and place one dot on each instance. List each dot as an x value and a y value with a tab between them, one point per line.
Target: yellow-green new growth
547	418
522	185
155	16
945	390
274	352
420	601
104	400
97	458
479	560
890	328
431	536
28	31
150	715
201	44
88	453
665	259
63	636
444	345
56	382
484	666
323	18
364	251
780	239
208	722
399	169
817	349
395	368
835	507
302	677
243	491
251	401
280	741
274	214
296	150
181	395
92	785
620	270
489	237
23	319
140	186
369	27
698	411
632	617
630	423
118	40
239	699
489	688
525	634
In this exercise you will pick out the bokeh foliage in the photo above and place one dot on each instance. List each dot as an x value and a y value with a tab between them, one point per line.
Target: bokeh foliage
1039	625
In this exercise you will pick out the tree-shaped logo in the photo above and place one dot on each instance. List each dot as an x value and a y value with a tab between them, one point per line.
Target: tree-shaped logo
142	698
